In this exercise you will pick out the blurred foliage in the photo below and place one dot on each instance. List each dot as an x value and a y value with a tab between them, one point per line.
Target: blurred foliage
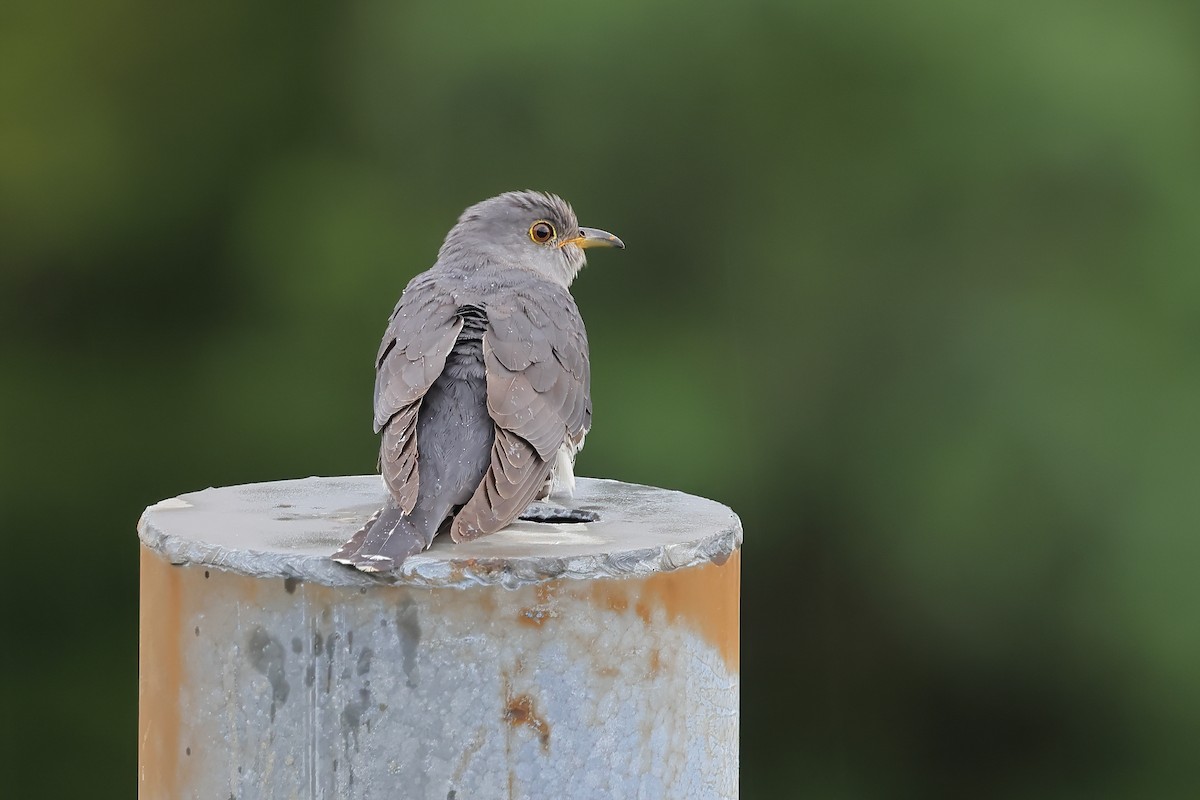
913	287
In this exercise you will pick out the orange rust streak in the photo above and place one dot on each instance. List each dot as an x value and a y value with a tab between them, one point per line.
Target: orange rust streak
543	609
655	662
535	616
160	676
545	592
521	711
707	598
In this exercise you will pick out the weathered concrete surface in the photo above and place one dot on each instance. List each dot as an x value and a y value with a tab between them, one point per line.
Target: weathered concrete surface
268	672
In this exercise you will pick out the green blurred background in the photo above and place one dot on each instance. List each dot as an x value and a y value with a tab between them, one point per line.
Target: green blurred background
914	287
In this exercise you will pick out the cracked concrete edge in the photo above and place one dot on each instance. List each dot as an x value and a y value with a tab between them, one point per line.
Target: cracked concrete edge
427	572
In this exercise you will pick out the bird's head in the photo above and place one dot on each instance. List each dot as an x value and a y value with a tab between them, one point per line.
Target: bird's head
527	230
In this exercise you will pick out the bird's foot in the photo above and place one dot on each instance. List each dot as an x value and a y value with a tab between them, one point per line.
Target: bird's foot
545	512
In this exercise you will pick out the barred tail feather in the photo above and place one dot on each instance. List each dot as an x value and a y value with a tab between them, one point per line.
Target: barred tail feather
383	543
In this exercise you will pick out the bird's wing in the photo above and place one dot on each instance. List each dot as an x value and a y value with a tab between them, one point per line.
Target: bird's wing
420	335
538	394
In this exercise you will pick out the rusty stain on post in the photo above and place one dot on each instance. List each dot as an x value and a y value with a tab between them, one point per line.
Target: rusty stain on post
582	661
520	710
160	674
706	598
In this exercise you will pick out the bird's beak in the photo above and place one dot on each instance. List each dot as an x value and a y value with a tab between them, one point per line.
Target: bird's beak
594	237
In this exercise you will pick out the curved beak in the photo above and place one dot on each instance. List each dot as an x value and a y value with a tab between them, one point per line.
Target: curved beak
594	237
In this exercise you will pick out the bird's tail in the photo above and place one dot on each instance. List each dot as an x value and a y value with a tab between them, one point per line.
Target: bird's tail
383	542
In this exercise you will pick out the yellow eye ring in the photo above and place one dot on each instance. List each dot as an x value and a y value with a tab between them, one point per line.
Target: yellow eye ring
541	231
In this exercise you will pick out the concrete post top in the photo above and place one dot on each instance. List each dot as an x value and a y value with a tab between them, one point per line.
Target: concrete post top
289	528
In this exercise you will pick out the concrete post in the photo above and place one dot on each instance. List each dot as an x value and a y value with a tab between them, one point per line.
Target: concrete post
572	661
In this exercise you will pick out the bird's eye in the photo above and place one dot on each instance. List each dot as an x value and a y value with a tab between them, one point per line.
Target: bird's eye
541	232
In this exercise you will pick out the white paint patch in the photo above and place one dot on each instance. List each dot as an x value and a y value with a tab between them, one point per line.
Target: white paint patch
172	503
556	533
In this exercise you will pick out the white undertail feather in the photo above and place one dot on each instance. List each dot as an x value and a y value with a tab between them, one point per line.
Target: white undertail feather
562	474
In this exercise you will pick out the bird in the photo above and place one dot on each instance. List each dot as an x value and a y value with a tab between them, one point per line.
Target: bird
482	380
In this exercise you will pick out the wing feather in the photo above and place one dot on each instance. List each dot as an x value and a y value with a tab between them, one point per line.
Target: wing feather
511	483
420	335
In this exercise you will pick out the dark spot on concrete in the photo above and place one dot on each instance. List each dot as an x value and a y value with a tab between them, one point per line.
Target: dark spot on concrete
289	584
317	642
352	713
451	795
196	630
187	750
362	590
408	628
364	661
335	765
297	645
206	573
350	641
239	769
329	661
352	718
283	505
520	710
266	656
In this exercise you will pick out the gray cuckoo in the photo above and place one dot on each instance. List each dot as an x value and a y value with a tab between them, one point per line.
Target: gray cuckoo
482	385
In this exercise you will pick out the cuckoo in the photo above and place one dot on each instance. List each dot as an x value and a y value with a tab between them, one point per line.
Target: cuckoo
482	383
